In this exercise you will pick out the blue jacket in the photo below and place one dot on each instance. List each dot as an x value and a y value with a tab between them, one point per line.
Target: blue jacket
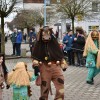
19	37
32	35
69	44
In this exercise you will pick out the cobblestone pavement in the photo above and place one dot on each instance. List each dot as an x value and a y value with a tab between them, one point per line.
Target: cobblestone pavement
9	50
75	85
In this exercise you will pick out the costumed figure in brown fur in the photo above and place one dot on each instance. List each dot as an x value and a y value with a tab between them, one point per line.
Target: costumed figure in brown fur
49	58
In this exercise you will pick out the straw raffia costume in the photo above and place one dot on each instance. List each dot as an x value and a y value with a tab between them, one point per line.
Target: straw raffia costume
20	79
92	53
48	56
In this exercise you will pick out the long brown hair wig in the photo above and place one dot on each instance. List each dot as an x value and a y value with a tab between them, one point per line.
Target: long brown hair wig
50	48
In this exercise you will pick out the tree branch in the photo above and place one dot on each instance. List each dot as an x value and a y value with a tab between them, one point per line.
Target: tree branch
11	7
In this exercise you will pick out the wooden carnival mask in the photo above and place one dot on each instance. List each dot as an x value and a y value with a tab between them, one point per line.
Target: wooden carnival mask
46	36
95	35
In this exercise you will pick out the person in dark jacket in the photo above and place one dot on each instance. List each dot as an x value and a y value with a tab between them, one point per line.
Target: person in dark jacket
18	42
79	46
32	40
68	41
13	40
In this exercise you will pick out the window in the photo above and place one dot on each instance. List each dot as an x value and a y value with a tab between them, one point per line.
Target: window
58	1
47	2
91	28
94	6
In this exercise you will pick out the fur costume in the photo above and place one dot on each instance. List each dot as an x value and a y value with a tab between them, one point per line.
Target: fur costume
48	56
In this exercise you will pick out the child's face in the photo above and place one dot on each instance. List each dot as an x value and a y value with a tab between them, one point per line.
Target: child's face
1	60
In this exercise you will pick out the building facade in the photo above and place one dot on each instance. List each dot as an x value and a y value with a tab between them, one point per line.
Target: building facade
87	24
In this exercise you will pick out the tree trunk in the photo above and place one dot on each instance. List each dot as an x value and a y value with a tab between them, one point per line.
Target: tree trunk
2	35
73	25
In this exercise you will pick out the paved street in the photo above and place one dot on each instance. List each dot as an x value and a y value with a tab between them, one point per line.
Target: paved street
75	85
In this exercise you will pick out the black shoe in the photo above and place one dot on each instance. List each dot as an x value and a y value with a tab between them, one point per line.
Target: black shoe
90	82
77	65
81	65
73	64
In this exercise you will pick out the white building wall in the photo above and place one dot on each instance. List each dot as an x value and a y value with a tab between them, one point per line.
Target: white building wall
85	24
32	5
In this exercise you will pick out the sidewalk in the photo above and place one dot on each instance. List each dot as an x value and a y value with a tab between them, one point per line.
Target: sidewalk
9	49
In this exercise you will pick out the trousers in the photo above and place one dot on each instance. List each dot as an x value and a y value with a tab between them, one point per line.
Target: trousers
92	72
1	94
50	74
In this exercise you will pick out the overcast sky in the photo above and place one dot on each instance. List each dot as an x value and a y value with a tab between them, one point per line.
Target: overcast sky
13	14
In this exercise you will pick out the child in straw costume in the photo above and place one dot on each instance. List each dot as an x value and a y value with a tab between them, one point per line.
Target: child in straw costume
92	53
20	79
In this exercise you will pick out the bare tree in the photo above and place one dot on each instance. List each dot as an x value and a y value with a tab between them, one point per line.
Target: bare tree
73	8
27	19
6	7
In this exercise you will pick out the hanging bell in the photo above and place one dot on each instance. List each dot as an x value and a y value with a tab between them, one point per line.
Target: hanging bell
57	62
49	63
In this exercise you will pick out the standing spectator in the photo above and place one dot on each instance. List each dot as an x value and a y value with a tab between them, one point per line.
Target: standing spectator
32	39
79	46
6	37
18	42
68	41
57	34
24	37
13	40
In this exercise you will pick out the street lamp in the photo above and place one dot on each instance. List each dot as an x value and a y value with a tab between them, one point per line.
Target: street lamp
0	4
44	12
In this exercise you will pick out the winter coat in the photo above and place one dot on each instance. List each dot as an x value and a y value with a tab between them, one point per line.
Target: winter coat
69	44
32	35
13	37
79	44
19	37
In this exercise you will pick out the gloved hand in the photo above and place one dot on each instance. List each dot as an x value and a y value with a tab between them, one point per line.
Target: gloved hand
36	70
64	65
35	63
7	86
64	69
